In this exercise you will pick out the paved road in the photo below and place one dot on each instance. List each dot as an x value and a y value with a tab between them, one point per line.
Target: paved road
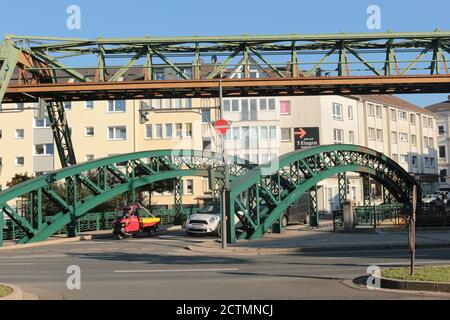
160	268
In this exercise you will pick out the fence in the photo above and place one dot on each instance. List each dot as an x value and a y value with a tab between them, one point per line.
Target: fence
97	221
427	215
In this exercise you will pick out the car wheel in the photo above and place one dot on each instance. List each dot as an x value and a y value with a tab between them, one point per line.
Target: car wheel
284	221
219	231
151	231
306	221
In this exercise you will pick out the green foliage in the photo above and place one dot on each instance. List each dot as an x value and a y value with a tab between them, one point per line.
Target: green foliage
428	273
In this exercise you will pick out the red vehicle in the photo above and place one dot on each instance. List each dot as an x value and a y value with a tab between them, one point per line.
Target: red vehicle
133	219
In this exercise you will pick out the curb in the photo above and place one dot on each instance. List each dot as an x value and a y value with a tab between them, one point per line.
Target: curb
274	251
17	293
415	285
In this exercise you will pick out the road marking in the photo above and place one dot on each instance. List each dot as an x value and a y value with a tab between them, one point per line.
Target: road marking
17	264
175	270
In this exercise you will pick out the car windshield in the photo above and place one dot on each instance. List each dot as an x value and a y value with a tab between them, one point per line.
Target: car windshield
123	212
210	209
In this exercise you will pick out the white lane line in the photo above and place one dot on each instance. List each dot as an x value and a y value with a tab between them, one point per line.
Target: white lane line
175	270
17	264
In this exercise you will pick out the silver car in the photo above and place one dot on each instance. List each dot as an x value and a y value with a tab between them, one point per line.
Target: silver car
205	221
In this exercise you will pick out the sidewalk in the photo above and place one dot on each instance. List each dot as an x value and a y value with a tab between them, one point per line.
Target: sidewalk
303	240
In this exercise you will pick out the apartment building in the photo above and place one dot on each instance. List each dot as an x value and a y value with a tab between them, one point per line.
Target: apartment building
442	111
401	130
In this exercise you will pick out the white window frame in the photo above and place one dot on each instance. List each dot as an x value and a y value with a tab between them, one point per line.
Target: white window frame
402	115
338	133
16	164
114	133
402	137
337	111
113	102
17	136
86	132
45	153
380	113
371	110
371	133
86	105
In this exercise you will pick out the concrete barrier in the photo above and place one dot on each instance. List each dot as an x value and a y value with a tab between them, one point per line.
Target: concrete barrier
415	285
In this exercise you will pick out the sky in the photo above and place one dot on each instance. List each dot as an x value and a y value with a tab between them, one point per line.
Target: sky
133	18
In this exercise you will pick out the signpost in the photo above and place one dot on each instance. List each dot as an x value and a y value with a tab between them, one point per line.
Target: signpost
306	137
221	126
412	231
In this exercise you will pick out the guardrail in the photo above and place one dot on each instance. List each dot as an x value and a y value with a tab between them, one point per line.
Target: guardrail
97	221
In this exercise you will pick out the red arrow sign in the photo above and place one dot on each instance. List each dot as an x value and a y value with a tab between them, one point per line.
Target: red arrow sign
221	126
300	133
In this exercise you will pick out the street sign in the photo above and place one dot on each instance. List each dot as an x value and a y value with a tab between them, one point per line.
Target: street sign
221	126
306	137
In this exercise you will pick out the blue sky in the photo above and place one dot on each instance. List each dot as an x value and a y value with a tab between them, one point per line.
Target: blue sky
208	17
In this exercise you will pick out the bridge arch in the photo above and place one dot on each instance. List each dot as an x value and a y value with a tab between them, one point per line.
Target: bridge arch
104	178
262	196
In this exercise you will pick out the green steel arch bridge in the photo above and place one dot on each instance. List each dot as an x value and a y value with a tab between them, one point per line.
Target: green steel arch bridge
258	197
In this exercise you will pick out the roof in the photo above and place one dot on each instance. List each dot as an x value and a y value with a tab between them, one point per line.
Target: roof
394	101
441	106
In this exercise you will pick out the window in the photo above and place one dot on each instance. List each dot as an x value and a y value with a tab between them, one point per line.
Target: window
1	134
264	133
169	133
148	131
89	157
412	119
351	137
425	142
285	107
426	161
431	142
89	105
441	151
1	163
226	105
117	133
67	105
158	131
393	115
414	161
285	134
42	123
116	106
43	149
235	105
176	103
19	161
403	137
350	112
263	104
89	131
395	157
189	186
178	130
441	130
337	111
432	162
207	145
19	106
20	133
424	121
402	115
338	136
404	158
188	128
236	133
272	132
206	115
430	122
413	139
379	135
378	112
371	133
394	137
370	110
271	104
443	175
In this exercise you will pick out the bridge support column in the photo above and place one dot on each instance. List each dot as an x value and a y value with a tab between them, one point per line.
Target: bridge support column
71	195
313	209
2	223
178	200
343	188
229	212
366	190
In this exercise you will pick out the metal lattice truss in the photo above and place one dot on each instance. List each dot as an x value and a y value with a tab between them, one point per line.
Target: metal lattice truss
156	67
77	189
259	199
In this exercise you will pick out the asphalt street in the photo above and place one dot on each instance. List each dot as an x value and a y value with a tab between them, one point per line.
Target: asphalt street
160	268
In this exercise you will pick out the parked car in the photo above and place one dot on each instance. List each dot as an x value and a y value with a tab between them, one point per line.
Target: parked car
296	213
432	198
207	220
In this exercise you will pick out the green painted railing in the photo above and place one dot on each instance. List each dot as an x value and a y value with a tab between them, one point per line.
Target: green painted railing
97	221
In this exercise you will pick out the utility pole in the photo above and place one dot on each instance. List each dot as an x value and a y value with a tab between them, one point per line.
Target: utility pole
226	176
412	231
